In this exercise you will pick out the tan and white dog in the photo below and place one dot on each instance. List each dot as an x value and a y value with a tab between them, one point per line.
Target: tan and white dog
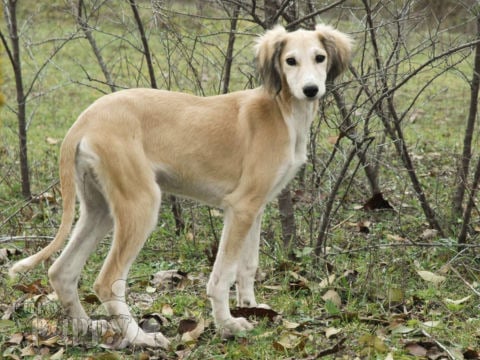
234	151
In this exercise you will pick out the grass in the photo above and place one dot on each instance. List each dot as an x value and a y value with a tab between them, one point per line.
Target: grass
384	303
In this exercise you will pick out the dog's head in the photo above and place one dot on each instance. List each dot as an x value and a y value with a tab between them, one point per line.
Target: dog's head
303	60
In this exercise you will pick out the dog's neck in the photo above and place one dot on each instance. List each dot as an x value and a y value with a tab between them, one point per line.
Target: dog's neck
298	116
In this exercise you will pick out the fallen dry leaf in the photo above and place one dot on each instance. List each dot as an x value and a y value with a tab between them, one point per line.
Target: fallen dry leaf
377	202
471	354
299	283
42	301
58	355
7	254
396	238
194	333
431	277
331	331
170	279
46	197
34	288
152	322
331	350
389	356
257	312
184	353
51	341
429	234
186	325
363	227
142	301
91	299
332	295
458	302
290	341
15	339
44	327
418	348
297	276
29	350
51	141
150	290
167	310
327	281
401	329
431	324
111	340
444	269
350	275
290	325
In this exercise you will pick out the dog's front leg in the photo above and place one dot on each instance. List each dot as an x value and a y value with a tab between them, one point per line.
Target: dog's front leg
237	226
248	265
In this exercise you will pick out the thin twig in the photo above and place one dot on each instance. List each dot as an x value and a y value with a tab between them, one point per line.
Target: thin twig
470	286
8	238
440	345
399	244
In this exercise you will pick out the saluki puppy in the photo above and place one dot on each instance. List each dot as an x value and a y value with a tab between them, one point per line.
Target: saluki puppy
233	151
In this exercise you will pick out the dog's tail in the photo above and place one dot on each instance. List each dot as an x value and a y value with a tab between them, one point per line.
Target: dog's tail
67	184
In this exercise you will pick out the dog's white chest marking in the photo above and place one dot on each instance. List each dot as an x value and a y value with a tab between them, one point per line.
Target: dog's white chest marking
298	125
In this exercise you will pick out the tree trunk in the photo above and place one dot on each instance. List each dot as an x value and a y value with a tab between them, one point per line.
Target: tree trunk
467	214
230	48
270	12
287	218
462	174
467	151
146	48
10	12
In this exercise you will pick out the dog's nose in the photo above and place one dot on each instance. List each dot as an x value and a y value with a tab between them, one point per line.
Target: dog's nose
310	90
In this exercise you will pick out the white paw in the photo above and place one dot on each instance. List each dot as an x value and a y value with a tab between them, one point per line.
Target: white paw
233	326
134	336
154	340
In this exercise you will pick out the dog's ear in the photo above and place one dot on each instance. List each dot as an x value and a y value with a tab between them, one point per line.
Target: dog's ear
267	53
338	46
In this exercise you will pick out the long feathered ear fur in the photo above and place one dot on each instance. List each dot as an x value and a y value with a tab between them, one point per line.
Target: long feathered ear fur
338	46
267	53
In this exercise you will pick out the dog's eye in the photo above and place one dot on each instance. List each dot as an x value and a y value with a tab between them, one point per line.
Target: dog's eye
291	61
320	58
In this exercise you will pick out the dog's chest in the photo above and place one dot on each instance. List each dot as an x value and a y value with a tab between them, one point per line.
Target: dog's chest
295	157
287	173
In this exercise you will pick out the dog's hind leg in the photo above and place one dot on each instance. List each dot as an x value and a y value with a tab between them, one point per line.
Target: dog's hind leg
94	223
134	198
